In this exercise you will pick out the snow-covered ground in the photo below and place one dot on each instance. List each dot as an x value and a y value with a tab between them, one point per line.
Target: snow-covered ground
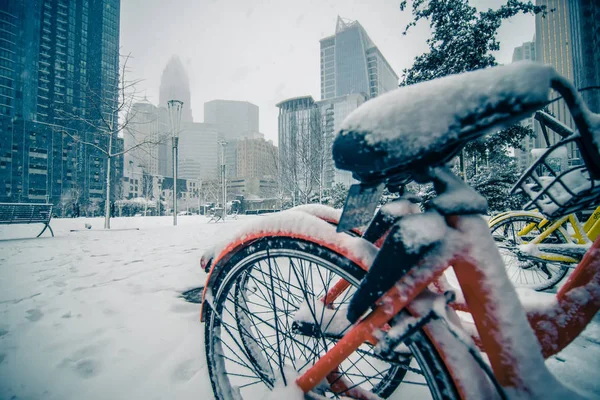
96	314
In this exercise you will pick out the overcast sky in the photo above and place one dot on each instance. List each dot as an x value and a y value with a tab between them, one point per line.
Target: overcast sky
265	51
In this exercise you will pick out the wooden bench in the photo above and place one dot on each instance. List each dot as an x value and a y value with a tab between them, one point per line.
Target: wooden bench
26	213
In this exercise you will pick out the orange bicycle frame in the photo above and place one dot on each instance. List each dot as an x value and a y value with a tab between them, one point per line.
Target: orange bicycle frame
482	301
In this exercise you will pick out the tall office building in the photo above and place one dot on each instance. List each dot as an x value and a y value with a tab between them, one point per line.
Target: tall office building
524	157
306	132
585	31
300	140
59	65
554	42
175	85
198	151
333	112
351	63
256	172
150	125
238	119
568	38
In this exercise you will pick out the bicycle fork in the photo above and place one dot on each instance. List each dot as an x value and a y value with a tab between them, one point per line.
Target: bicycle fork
388	306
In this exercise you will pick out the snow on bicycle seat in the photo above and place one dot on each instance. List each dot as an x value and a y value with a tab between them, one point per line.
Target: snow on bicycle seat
428	123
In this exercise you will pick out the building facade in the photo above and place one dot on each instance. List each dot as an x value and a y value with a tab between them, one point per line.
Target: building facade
59	67
301	146
256	159
554	42
306	132
252	188
568	38
146	132
351	63
255	172
585	31
198	151
524	157
237	119
334	111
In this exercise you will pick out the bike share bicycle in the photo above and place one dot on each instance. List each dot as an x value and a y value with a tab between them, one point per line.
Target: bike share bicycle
563	241
292	302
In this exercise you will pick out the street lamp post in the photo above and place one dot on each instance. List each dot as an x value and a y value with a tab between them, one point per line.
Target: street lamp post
223	143
175	108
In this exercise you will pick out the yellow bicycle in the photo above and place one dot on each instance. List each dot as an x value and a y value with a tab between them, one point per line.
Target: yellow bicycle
538	252
563	242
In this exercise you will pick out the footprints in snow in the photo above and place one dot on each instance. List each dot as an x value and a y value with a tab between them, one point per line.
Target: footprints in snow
86	368
83	361
186	370
34	315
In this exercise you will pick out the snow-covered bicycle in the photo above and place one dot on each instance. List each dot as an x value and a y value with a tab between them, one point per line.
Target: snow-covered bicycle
292	304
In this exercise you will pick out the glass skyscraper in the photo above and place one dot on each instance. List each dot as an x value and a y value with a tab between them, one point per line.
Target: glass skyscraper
568	38
59	67
585	27
351	63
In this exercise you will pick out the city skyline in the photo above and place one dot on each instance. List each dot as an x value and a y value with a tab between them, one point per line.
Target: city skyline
268	52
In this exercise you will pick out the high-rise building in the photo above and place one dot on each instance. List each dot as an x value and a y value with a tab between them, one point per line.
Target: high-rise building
256	158
59	65
198	151
147	130
333	112
256	172
524	157
351	63
553	43
524	52
568	38
237	119
175	85
585	31
300	142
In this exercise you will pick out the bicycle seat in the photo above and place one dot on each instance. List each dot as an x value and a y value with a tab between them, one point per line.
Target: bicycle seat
428	123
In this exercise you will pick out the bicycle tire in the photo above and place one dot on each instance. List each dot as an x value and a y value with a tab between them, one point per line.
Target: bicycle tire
536	275
235	272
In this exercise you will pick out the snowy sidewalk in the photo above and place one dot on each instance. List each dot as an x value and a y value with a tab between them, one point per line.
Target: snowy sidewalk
97	315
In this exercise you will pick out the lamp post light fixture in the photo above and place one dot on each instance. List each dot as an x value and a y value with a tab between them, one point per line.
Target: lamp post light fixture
175	107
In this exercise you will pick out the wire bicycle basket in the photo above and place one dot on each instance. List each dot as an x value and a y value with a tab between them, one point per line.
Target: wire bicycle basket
555	185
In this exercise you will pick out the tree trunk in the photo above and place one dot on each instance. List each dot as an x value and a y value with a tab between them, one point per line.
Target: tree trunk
463	165
107	201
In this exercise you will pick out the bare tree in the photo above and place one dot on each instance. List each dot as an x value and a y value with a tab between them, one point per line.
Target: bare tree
275	171
302	160
109	114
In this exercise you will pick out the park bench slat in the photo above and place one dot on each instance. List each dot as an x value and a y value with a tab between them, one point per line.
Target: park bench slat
24	213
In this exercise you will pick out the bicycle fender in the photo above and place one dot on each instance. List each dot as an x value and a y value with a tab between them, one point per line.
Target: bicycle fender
508	214
289	224
526	214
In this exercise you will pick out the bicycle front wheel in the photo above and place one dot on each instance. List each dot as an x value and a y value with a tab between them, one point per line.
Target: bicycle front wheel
517	230
253	344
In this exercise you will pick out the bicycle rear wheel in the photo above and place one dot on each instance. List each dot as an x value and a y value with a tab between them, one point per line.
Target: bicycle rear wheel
518	230
251	341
